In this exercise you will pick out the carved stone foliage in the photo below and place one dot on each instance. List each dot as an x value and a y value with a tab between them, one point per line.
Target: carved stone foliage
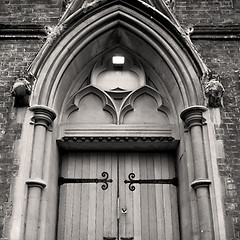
214	91
53	32
170	4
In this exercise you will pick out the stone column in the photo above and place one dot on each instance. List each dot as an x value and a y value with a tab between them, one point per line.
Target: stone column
43	117
193	119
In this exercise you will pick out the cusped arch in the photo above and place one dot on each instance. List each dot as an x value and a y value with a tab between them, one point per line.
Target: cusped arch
73	106
161	104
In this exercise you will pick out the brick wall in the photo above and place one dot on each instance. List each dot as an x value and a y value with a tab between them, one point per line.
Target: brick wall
213	12
30	11
223	58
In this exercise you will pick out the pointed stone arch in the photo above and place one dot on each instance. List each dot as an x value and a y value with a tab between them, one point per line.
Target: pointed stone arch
62	68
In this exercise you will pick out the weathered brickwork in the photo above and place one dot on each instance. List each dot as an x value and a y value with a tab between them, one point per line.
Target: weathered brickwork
192	12
30	11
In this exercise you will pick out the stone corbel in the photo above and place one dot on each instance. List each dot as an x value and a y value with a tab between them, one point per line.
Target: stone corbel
21	90
214	91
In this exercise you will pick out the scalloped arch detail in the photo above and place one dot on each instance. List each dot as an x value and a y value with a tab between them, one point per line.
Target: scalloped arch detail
108	104
128	104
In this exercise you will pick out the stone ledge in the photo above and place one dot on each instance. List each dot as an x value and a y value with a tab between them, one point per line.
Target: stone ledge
28	31
220	32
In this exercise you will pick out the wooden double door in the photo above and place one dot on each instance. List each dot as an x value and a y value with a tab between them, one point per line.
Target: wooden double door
108	205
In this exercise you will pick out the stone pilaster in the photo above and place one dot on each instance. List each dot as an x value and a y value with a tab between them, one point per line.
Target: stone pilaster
43	117
194	120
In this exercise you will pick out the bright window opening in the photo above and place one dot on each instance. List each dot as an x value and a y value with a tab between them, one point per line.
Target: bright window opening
118	60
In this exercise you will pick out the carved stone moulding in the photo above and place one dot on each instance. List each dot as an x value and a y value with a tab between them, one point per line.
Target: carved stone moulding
117	139
116	143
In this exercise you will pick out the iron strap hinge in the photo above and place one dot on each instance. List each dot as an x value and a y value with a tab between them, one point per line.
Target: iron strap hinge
104	180
131	181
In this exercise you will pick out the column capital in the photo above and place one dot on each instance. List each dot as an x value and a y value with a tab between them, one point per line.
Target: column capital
43	115
192	116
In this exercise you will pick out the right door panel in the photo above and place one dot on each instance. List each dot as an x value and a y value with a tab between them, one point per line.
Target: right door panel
149	212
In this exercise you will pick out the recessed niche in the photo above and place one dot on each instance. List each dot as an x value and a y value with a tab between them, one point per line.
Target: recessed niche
112	80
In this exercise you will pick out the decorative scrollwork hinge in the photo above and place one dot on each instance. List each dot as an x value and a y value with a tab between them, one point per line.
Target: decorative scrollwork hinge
131	181
104	180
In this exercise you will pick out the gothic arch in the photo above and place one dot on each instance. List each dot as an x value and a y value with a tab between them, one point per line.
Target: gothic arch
62	68
159	36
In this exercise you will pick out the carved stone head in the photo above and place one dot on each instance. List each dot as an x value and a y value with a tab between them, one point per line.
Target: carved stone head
214	91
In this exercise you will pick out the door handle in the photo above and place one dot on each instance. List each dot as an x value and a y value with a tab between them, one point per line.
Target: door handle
127	238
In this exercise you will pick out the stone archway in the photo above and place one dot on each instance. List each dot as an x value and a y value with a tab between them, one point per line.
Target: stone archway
172	67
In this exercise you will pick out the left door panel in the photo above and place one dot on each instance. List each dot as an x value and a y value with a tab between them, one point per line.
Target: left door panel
86	211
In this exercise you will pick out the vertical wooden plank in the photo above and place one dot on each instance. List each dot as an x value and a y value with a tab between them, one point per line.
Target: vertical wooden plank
159	198
85	197
92	196
62	199
100	202
69	202
129	196
144	198
166	198
122	193
108	201
113	188
173	196
136	199
77	193
151	198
